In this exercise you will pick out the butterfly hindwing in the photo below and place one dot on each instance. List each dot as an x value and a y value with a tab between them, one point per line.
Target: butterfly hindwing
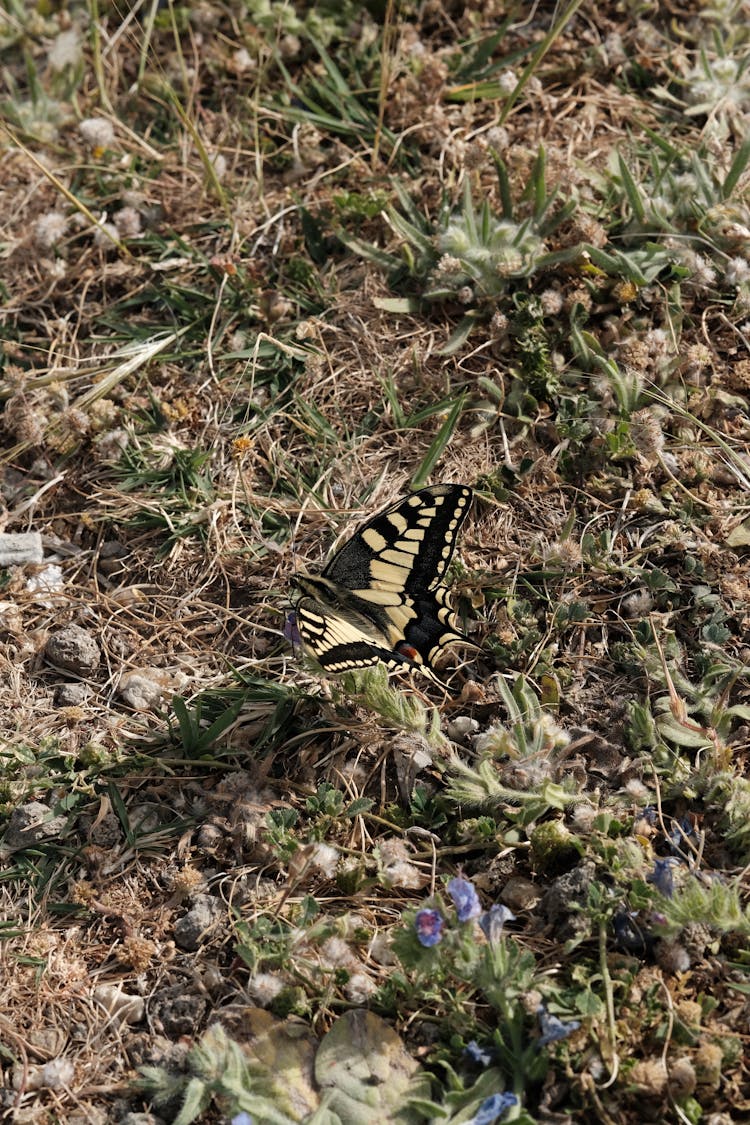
342	643
380	598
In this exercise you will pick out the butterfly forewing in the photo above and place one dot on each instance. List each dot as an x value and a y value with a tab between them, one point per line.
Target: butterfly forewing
406	548
380	598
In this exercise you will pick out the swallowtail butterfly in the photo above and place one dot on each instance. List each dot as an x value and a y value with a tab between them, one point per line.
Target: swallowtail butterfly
380	597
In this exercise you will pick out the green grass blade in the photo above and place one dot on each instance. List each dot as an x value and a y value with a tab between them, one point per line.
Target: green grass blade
631	191
439	443
739	164
503	180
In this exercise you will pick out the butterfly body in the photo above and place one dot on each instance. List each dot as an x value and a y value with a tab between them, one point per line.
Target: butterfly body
380	597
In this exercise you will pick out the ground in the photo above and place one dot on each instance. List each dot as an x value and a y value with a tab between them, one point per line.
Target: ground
267	268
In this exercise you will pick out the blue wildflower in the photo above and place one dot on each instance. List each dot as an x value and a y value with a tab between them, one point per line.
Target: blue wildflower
553	1028
662	877
478	1054
429	926
492	1108
242	1119
465	899
493	921
680	832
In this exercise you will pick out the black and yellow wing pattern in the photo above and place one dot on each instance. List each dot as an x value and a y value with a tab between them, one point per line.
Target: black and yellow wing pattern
380	597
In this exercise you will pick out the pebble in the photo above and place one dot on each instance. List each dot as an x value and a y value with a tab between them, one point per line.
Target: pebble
192	929
461	727
30	824
17	548
120	1006
74	650
140	690
72	695
53	1075
520	894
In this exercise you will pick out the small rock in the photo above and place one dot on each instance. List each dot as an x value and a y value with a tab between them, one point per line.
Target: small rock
102	831
73	649
461	727
156	1049
140	690
566	892
19	548
53	1075
111	556
48	580
520	894
72	695
122	1008
30	824
176	1012
193	928
682	1080
210	836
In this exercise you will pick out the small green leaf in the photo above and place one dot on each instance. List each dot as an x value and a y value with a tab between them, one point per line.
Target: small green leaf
368	1074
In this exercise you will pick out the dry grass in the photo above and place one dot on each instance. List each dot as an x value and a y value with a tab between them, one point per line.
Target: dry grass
206	387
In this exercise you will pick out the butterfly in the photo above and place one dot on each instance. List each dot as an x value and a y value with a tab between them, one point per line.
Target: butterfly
380	596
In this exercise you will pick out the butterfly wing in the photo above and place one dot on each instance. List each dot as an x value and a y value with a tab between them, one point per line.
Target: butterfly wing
380	598
342	639
406	548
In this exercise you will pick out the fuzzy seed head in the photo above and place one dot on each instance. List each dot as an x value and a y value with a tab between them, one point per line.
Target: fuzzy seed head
106	236
359	988
498	138
128	222
138	952
703	273
551	301
186	880
265	987
565	552
637	605
737	272
336	954
499	325
647	434
326	859
49	229
97	132
507	81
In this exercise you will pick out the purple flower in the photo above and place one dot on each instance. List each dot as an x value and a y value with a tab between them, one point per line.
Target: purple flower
465	899
493	921
291	630
478	1054
429	926
662	877
553	1028
492	1108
